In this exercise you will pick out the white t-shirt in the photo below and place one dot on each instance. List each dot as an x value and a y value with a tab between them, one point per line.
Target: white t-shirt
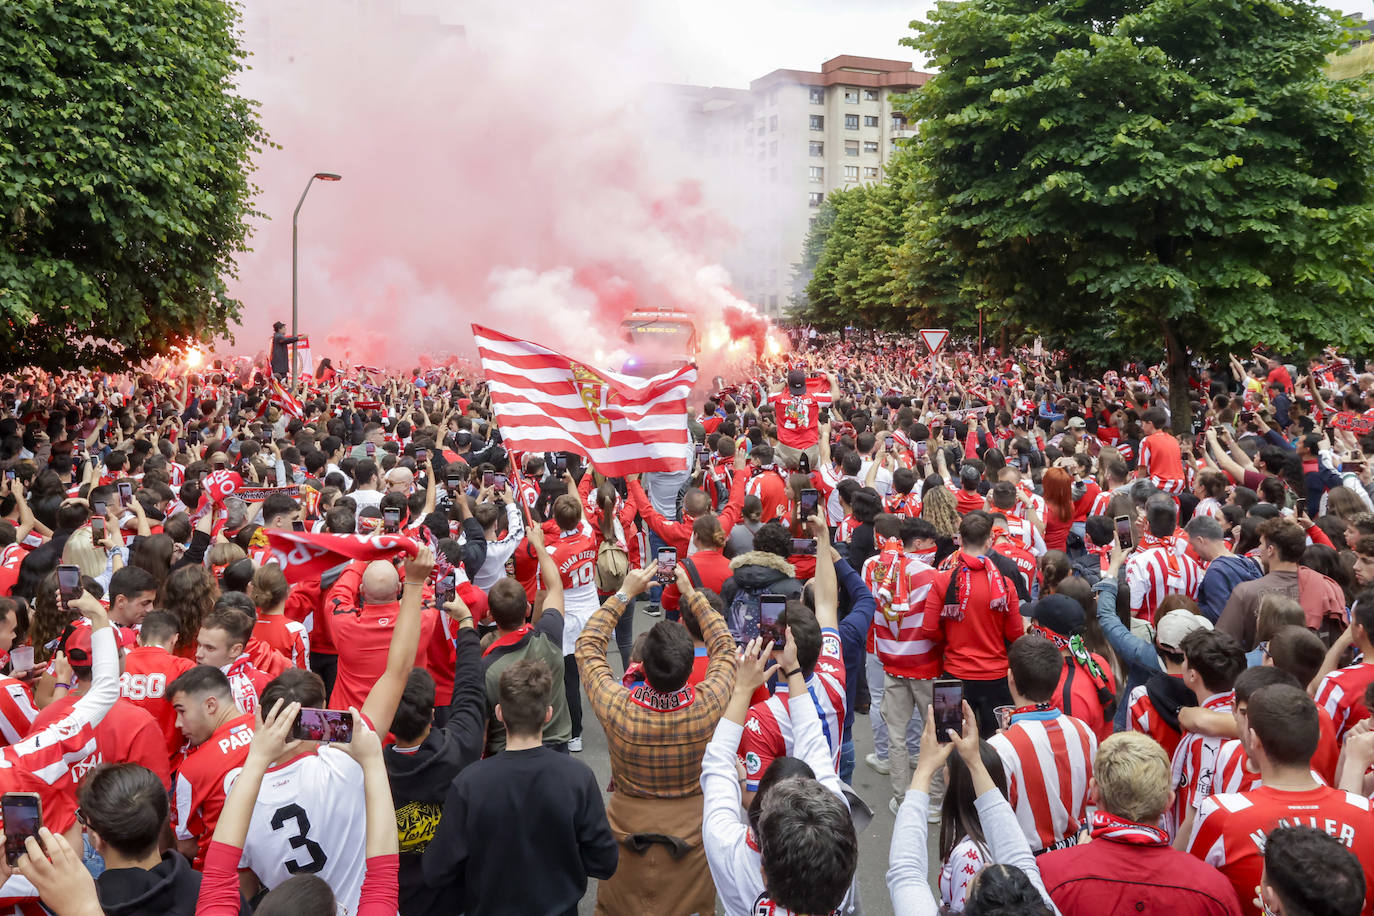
309	819
366	499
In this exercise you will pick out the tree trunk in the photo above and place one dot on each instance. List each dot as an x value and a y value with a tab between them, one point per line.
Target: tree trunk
1180	406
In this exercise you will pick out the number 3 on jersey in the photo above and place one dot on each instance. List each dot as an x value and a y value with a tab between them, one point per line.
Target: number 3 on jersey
300	840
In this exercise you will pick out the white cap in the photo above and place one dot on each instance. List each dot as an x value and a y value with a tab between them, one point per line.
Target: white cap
1176	625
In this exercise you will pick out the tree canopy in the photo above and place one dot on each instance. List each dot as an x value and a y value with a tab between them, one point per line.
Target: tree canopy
125	156
1131	177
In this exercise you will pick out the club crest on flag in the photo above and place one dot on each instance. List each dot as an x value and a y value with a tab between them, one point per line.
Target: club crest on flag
596	393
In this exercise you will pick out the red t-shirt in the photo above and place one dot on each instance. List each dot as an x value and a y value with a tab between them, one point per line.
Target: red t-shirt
798	418
204	779
975	645
148	670
127	734
1160	456
363	640
286	636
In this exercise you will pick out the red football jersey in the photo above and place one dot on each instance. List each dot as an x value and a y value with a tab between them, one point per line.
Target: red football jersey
127	734
148	670
204	780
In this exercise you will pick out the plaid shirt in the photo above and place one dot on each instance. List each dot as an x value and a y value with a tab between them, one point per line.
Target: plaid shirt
656	753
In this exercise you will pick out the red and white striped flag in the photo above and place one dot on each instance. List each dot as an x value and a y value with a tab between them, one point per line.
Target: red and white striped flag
548	402
303	556
288	402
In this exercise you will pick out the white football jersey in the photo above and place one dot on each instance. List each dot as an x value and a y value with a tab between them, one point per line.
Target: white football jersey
310	819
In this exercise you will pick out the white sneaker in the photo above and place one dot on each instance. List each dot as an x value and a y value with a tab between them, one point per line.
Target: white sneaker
653	610
893	804
575	745
877	763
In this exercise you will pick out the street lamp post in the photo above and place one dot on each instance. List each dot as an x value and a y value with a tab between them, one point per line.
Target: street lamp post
322	176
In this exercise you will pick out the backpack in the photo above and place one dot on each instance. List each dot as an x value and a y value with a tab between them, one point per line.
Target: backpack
612	565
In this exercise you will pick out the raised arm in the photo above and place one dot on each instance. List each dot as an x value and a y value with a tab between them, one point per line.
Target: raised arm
385	695
826	589
548	570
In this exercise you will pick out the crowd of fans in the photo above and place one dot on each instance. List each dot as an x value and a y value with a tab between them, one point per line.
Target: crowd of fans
1114	659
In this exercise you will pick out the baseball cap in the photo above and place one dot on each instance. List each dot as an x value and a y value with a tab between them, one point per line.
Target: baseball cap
77	646
1061	614
1077	423
796	382
1176	625
278	325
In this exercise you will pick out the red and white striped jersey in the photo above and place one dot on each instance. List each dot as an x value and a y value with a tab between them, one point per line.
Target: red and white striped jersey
1100	503
1144	718
1341	694
1232	775
1153	574
897	621
1194	766
845	531
246	681
768	730
907	505
17	710
1230	830
1048	758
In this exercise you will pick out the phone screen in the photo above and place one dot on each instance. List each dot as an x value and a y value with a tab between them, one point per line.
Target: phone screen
891	444
446	590
68	583
421	454
370	448
23	816
271	478
331	725
1300	507
948	700
488	479
126	493
98	528
454	483
803	547
667	564
1123	532
21	659
770	611
298	525
392	518
921	449
9	473
502	481
810	502
560	463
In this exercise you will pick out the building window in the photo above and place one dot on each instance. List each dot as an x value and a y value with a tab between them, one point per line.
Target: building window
851	147
817	148
869	120
773	149
851	122
815	198
773	123
762	127
818	122
851	96
817	95
811	220
816	173
851	173
870	95
870	171
898	122
870	146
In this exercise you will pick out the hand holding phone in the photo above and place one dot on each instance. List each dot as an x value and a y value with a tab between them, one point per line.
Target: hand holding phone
948	702
770	612
68	585
23	817
1123	532
667	565
328	725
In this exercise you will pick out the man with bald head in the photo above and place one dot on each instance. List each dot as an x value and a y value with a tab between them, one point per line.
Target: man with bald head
364	604
400	479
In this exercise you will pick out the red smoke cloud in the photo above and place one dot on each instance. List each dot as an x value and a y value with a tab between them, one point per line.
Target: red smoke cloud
506	174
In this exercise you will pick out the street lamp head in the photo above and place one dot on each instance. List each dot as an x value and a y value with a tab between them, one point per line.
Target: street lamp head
328	176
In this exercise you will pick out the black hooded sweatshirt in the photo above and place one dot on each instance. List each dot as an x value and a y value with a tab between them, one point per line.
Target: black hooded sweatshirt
169	889
420	778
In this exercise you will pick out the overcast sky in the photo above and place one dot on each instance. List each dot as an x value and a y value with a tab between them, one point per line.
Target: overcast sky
730	42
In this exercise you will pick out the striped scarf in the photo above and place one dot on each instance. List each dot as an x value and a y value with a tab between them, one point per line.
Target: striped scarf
1170	546
1104	826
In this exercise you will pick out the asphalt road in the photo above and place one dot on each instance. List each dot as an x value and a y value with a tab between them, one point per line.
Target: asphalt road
874	842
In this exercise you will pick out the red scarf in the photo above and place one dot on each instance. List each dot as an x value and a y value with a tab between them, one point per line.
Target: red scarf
649	698
1104	826
1103	554
961	586
889	579
509	639
1169	545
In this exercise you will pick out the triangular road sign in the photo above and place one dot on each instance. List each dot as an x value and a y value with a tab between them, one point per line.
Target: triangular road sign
934	338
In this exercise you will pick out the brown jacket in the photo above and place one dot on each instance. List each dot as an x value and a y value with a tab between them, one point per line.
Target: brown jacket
1321	598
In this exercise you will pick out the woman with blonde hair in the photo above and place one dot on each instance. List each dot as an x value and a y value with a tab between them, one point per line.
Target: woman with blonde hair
81	551
938	507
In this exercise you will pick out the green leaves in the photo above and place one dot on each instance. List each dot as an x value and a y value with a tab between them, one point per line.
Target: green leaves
124	194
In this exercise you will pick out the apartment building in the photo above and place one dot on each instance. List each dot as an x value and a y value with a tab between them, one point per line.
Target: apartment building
780	147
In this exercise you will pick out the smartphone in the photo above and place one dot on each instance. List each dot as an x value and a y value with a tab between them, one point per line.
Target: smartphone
488	479
501	482
446	590
560	463
1300	507
391	519
270	478
891	444
331	725
23	816
98	528
370	448
76	464
455	483
157	414
99	508
667	564
298	525
803	547
809	503
21	659
421	454
921	448
1123	532
950	434
9	473
948	700
68	585
770	611
126	491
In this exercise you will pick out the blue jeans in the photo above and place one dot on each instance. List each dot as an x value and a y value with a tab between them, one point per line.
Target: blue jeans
94	861
847	761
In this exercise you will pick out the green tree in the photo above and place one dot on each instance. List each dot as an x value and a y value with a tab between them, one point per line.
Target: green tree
124	192
1144	176
827	306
